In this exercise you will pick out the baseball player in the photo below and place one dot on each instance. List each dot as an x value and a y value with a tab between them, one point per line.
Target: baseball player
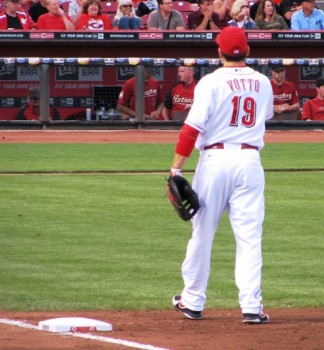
313	109
30	111
285	93
180	96
153	97
226	123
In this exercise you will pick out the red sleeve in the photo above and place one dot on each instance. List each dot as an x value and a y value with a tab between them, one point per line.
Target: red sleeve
306	111
126	94
160	97
186	140
41	22
295	97
107	22
3	22
82	22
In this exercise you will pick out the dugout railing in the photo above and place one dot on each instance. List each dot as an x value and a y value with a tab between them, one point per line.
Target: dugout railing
49	74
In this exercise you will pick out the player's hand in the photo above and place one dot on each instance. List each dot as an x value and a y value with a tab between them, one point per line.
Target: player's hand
155	115
281	108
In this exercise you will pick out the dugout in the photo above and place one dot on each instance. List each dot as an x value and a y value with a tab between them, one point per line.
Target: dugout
72	80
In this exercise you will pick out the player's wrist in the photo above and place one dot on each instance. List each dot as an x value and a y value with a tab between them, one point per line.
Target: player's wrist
175	171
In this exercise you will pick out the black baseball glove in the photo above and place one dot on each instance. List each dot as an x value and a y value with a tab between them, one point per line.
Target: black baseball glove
183	198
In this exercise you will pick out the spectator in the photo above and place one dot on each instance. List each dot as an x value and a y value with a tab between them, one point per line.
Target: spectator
75	10
288	7
30	111
313	109
92	17
204	18
255	6
180	96
308	17
223	8
15	18
37	9
267	17
240	14
125	16
285	94
153	97
165	17
56	18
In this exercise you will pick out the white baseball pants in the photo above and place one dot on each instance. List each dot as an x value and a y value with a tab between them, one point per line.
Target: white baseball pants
229	179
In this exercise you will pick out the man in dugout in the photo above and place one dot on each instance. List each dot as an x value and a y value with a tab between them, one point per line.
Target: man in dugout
30	111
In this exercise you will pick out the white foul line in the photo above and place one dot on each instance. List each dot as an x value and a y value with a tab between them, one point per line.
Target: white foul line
127	343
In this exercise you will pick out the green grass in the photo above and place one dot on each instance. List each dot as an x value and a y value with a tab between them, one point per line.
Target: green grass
113	241
135	157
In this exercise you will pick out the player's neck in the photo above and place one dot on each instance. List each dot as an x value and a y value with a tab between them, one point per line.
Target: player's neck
278	82
227	64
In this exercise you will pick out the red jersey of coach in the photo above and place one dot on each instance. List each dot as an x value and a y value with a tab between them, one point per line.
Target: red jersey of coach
152	95
180	97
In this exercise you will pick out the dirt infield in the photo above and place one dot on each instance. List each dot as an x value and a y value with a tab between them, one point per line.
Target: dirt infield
138	136
290	329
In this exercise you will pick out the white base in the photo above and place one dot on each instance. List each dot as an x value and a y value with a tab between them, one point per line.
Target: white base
73	324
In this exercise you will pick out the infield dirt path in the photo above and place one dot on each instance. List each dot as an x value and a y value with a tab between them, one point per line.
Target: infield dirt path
290	329
138	136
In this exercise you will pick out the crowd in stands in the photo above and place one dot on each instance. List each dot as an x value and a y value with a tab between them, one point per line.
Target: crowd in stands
160	14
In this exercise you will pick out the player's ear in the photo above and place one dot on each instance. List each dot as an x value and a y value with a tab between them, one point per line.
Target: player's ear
219	52
248	51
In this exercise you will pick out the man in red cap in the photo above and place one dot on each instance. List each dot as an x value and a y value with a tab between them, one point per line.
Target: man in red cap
313	109
226	123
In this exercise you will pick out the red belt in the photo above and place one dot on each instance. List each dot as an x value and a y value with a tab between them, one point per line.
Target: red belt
220	145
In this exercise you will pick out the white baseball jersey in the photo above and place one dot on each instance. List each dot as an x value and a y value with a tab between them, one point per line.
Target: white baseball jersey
230	106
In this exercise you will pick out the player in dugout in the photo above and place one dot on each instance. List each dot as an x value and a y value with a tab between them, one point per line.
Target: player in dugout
153	98
313	109
30	111
179	98
286	99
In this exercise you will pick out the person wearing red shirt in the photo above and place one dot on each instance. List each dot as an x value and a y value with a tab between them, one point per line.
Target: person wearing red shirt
204	18
313	109
180	97
153	98
55	19
15	17
30	111
92	17
286	100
